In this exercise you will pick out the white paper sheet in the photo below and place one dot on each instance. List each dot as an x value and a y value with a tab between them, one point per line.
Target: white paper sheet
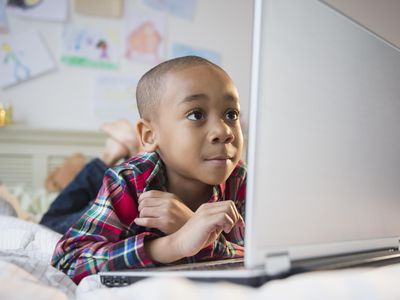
23	56
114	98
145	38
90	47
46	10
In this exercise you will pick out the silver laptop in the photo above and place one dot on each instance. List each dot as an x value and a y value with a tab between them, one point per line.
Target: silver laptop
324	148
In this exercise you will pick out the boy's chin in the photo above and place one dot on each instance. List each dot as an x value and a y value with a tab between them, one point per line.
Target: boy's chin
215	180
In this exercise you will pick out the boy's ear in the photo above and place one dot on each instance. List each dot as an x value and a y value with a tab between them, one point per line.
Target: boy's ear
146	133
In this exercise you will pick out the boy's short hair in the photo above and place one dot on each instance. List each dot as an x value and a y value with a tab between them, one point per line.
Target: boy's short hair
151	85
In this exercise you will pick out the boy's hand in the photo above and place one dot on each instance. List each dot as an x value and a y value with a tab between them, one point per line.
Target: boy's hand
163	211
205	226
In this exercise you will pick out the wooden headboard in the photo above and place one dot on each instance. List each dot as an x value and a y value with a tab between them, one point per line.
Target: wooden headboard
28	154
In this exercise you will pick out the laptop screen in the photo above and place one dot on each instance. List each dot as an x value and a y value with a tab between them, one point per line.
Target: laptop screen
324	154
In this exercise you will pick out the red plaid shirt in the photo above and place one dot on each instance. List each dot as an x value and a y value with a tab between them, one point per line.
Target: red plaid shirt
106	238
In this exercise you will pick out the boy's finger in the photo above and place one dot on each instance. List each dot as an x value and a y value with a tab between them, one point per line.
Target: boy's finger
147	222
232	211
241	220
237	214
229	223
223	221
150	212
149	202
223	207
154	194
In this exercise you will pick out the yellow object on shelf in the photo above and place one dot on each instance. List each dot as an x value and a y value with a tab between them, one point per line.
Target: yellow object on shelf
9	114
6	114
2	115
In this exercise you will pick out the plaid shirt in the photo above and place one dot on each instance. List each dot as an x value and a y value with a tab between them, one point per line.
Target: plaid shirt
106	238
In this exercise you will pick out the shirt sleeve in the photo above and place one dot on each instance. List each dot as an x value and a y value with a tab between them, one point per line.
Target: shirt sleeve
104	238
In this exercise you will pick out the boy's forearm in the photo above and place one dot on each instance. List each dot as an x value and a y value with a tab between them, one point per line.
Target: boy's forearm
162	250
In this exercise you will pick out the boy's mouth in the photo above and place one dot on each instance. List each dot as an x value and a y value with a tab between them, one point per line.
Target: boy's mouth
219	159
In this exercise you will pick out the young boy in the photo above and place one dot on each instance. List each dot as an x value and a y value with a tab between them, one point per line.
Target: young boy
183	199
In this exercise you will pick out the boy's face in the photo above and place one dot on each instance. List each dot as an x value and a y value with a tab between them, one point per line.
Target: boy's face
198	128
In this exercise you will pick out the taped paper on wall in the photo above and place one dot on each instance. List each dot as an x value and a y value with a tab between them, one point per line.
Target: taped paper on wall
85	46
3	18
145	41
22	57
45	10
114	97
184	50
183	9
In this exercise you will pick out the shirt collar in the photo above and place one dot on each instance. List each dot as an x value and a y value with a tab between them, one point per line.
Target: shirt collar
157	180
218	193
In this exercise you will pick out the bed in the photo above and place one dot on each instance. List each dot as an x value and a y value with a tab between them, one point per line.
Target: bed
26	247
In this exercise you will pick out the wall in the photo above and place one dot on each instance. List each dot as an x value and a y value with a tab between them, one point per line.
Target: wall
61	99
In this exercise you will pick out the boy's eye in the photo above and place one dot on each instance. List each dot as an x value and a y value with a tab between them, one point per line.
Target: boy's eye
195	115
232	115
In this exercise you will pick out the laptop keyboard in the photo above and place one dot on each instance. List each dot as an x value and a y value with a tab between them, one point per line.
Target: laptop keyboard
124	280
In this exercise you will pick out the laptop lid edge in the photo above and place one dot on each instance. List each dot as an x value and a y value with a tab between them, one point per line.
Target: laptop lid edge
253	127
300	252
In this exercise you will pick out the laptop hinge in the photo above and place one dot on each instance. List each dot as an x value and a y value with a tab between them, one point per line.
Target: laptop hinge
277	263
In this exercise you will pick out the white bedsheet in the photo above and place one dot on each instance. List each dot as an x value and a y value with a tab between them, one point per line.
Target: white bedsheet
25	253
365	284
25	273
18	283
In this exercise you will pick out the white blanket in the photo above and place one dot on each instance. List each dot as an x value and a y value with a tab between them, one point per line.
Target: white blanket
25	253
377	283
25	273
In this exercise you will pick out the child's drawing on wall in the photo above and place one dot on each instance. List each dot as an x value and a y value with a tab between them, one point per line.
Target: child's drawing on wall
20	71
145	38
44	10
183	9
103	47
23	56
83	46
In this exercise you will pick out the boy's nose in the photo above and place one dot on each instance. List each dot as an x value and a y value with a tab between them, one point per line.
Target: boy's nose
221	133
